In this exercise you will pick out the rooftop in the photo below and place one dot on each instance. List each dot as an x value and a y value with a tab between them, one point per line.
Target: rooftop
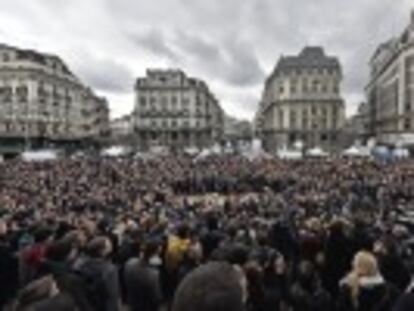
310	57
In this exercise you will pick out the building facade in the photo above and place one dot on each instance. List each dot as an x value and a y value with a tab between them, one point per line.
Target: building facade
301	101
390	91
122	131
355	129
237	131
42	101
175	111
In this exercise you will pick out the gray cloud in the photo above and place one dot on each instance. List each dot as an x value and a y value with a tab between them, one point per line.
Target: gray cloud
105	75
231	44
155	42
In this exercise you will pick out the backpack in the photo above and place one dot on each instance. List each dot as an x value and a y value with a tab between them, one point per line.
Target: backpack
93	285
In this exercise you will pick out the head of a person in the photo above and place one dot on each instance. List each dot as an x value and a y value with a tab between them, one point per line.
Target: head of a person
99	247
306	274
150	249
60	251
216	286
183	231
42	234
365	264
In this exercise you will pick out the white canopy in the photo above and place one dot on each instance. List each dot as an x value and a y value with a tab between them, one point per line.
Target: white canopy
204	154
354	151
216	149
115	151
317	152
39	155
191	150
401	153
289	154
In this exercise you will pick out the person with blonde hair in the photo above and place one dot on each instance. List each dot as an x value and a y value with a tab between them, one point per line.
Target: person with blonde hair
364	288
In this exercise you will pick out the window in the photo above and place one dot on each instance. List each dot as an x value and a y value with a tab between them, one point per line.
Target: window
6	57
7	94
305	119
336	88
407	124
281	121
292	118
142	101
164	102
315	86
281	89
305	88
22	93
153	100
185	102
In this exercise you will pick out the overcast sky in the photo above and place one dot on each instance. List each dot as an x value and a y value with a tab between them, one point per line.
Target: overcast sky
231	44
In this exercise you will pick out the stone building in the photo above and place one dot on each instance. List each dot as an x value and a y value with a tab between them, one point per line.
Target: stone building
237	131
355	129
301	101
122	130
390	91
43	102
175	111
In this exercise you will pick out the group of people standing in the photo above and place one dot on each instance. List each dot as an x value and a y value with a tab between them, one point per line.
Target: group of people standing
221	233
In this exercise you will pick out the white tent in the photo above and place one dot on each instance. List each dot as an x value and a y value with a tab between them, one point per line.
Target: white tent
317	152
114	151
354	151
216	149
289	154
204	154
39	155
401	153
191	150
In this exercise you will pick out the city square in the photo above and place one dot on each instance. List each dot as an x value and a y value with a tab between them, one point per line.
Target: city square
225	179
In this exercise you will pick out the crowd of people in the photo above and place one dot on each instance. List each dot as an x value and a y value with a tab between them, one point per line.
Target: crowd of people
219	233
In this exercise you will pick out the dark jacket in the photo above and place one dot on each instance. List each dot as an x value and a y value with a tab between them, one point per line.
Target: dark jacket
405	302
37	296
142	283
9	279
312	298
108	277
374	295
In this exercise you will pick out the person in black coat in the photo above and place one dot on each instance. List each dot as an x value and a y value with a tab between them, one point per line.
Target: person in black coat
142	280
306	293
406	301
9	278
